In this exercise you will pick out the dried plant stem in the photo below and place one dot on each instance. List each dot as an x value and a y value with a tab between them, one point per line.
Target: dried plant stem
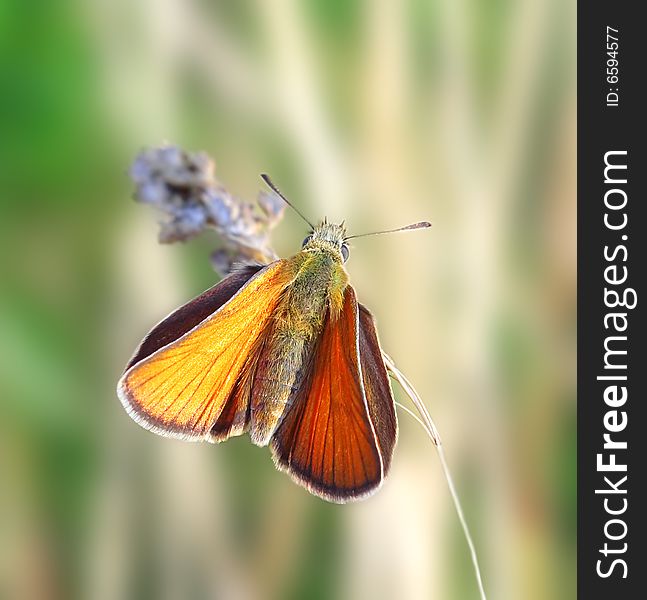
428	424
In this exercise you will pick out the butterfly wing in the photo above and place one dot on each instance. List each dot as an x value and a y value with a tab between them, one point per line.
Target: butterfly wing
377	386
181	388
326	440
193	312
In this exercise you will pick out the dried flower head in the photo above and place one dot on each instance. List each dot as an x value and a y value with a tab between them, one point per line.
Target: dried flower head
183	186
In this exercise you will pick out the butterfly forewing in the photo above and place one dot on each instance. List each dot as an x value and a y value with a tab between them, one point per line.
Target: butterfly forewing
192	313
326	440
235	415
181	388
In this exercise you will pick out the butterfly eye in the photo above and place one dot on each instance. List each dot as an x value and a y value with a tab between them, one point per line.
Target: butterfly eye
306	240
345	252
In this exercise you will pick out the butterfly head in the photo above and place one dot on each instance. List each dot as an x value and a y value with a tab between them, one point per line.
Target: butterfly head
329	238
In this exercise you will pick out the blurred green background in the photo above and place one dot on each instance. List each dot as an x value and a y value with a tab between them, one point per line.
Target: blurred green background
381	113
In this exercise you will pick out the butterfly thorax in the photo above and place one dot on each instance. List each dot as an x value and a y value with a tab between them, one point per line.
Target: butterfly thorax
315	293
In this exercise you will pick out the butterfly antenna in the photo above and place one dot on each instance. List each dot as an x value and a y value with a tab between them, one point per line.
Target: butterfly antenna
420	225
270	183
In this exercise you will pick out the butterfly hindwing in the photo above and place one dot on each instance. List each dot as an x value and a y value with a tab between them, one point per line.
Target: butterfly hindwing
181	388
377	387
326	440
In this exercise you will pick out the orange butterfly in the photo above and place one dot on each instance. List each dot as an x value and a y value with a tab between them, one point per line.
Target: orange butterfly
285	353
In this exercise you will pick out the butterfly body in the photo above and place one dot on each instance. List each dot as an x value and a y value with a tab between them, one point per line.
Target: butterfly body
317	288
285	353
